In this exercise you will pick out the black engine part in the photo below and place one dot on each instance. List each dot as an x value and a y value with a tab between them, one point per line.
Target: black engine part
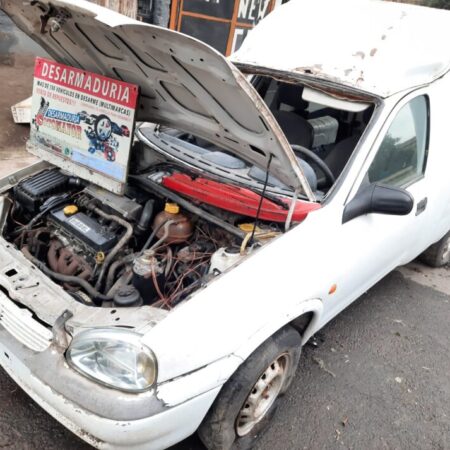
86	229
127	296
34	191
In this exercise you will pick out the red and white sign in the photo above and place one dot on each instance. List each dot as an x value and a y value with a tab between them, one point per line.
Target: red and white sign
82	118
107	89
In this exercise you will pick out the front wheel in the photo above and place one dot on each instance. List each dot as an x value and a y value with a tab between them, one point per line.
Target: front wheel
246	403
438	255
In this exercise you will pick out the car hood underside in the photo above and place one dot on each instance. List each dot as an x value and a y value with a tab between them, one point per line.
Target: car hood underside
184	83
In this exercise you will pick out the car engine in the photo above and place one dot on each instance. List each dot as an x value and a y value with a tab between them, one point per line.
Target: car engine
121	251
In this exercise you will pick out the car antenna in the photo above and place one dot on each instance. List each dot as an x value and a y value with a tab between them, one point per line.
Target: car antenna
266	182
291	211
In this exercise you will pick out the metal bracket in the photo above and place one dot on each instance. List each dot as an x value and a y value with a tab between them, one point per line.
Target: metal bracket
58	16
59	329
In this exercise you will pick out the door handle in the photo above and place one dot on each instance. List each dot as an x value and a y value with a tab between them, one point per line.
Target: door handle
421	206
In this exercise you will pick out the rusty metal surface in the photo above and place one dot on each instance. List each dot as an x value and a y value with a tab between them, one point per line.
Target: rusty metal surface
377	47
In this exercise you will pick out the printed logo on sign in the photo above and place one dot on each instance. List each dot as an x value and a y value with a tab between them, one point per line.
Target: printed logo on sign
64	116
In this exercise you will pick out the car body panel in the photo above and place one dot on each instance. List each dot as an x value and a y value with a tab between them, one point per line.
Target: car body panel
377	47
155	432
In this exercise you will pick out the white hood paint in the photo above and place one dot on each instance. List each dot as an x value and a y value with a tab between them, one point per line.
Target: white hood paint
378	47
184	83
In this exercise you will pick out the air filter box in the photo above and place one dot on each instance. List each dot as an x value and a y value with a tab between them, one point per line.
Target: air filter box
34	191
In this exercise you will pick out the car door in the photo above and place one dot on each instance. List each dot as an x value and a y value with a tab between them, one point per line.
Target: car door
372	245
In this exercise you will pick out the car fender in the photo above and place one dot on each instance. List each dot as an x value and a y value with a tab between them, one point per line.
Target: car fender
211	376
298	309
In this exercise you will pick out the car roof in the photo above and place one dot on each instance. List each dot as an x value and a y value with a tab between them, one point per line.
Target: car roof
378	47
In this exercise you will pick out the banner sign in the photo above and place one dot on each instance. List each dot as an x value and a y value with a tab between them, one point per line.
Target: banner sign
82	118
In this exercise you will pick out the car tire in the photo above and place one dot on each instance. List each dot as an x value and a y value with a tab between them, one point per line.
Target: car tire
227	425
438	255
99	124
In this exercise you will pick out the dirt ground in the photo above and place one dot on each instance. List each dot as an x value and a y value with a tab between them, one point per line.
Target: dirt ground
16	86
377	377
16	76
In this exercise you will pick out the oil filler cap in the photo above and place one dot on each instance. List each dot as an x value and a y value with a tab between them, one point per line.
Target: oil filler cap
70	210
172	208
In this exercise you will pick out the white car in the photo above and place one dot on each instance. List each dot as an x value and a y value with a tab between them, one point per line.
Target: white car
295	176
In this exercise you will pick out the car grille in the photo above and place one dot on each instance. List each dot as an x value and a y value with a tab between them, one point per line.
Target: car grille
20	324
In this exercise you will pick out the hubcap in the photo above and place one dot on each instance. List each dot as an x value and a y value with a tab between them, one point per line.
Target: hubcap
263	395
104	129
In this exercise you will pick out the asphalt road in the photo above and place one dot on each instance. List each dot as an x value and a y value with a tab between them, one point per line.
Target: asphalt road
378	377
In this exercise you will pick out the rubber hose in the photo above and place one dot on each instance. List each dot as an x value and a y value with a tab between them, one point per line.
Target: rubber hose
146	216
112	254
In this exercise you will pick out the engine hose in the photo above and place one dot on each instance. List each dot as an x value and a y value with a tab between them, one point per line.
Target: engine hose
57	201
146	216
115	266
152	236
130	258
164	236
66	278
112	254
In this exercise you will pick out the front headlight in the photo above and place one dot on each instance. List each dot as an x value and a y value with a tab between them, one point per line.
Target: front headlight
115	358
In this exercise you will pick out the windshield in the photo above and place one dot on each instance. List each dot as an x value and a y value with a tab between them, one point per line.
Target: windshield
323	132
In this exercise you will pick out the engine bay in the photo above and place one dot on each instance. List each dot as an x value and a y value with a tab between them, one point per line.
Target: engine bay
152	246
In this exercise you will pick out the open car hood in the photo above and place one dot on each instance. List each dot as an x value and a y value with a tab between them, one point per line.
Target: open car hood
184	83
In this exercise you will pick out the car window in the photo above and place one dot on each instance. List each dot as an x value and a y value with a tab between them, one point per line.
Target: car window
401	157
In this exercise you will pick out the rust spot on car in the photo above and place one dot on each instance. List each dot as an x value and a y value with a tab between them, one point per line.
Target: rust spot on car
360	78
315	69
373	52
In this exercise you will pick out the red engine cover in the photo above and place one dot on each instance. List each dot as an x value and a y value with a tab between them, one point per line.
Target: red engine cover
236	199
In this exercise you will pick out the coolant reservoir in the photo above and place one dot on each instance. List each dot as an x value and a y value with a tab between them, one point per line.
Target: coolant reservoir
179	231
224	258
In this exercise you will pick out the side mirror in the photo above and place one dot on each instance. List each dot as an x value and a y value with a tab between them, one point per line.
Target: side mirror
379	199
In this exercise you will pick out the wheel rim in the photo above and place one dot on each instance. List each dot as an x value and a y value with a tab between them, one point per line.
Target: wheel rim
263	395
446	251
104	129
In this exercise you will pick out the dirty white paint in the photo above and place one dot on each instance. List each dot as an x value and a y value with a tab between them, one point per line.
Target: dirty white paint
20	323
376	46
153	433
200	343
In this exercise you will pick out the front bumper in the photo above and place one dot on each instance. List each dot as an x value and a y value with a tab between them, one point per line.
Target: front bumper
161	427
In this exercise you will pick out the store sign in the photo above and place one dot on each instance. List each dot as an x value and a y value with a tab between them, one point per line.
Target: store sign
81	119
223	24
